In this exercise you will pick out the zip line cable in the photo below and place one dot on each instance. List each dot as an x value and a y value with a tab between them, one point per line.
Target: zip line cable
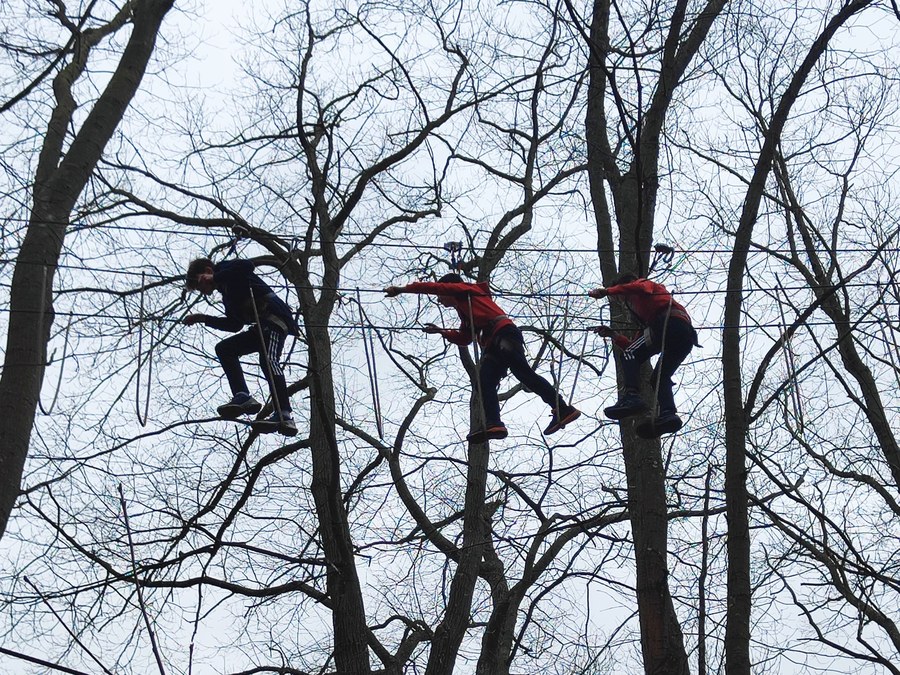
415	327
430	247
494	292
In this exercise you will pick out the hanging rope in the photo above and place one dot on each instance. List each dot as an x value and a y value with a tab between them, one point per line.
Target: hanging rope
578	367
142	419
369	347
790	363
562	351
662	352
62	367
262	347
477	357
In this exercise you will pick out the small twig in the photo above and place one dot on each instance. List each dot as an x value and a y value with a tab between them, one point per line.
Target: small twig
64	625
137	585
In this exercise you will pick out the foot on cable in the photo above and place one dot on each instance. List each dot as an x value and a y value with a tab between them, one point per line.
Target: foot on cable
241	404
629	404
561	417
494	431
667	423
281	422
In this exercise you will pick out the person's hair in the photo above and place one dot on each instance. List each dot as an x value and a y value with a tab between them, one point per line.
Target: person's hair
451	278
624	278
195	269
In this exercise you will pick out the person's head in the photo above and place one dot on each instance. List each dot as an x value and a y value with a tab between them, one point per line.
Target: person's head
624	278
200	276
449	278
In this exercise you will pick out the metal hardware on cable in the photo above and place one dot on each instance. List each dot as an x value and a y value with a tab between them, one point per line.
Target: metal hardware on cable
663	254
369	347
454	248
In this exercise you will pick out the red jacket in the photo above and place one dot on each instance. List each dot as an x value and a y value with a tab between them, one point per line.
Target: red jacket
487	317
647	300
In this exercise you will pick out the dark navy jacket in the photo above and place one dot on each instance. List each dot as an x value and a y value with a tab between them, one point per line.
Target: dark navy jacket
234	279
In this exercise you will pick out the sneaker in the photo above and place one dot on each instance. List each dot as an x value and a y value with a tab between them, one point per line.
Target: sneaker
241	404
629	404
560	418
494	431
283	423
666	423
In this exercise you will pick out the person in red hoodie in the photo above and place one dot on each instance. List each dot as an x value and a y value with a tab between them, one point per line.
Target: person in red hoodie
502	345
667	329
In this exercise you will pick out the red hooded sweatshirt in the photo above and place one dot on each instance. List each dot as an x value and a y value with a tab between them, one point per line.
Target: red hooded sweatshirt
647	300
486	316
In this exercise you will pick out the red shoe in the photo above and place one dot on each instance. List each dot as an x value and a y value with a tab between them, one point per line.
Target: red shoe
492	432
561	418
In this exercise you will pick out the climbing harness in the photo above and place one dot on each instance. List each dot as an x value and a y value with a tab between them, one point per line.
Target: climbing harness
369	348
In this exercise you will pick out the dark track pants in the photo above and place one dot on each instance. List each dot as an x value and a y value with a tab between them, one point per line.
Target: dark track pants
507	353
231	349
680	338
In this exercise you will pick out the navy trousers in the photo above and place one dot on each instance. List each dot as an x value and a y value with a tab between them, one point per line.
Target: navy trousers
507	353
231	349
680	338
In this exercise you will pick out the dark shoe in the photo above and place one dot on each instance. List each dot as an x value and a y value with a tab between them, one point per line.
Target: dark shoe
494	431
560	418
667	423
628	405
241	404
283	423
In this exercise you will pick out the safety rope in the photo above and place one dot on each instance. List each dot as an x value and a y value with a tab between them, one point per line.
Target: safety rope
477	358
659	361
62	367
142	419
790	363
371	368
262	347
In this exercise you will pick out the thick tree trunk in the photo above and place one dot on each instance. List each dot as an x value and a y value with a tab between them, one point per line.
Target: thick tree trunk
449	634
351	652
737	626
59	181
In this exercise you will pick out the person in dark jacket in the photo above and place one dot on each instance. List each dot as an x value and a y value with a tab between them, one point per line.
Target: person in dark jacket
503	349
667	329
249	301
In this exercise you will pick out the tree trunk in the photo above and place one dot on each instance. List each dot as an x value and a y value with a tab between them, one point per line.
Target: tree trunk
737	627
351	652
59	181
449	634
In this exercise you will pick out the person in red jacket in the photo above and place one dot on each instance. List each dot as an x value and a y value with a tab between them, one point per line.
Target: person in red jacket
502	345
667	329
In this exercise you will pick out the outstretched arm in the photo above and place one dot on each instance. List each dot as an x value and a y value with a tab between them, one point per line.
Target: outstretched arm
216	322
